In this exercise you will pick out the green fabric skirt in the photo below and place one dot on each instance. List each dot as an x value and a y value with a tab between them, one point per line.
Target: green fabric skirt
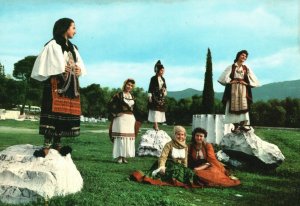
175	175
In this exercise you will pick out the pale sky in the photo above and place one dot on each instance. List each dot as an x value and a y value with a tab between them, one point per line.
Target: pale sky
121	39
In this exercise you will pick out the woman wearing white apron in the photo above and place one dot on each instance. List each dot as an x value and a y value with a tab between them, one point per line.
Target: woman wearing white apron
238	80
156	96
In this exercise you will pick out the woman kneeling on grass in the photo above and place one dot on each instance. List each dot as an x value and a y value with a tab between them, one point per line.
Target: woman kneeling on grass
202	160
171	168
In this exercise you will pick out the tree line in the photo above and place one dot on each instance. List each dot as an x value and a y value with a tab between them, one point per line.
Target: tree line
94	99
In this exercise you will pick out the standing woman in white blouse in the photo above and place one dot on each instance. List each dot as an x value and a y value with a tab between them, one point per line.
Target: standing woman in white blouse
238	80
123	133
59	67
156	96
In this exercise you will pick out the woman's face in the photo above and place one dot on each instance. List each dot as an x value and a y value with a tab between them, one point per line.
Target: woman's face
242	57
128	87
71	31
161	72
180	136
199	137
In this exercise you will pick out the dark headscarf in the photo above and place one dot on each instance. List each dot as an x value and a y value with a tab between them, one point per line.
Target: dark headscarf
158	66
61	26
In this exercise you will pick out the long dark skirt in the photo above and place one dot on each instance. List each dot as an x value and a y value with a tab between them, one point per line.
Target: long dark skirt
60	115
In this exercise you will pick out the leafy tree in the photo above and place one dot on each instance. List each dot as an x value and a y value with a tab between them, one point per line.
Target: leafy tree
171	115
22	71
95	105
292	108
277	116
219	107
141	103
183	113
196	106
10	93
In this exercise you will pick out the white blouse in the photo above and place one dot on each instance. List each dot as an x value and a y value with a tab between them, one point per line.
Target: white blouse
51	61
239	73
178	153
128	99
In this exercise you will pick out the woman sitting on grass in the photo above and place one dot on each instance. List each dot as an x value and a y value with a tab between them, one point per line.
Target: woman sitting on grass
171	168
202	159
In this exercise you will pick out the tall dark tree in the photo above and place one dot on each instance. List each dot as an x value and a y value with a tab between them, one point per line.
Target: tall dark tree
208	90
2	85
22	71
2	73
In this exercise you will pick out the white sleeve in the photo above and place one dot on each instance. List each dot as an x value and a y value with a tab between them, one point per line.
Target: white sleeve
225	76
80	62
49	62
253	81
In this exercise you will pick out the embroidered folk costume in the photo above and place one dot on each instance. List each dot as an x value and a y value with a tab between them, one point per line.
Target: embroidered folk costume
60	109
123	130
156	94
238	81
214	173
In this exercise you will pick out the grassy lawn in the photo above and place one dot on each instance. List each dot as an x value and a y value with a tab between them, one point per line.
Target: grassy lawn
107	183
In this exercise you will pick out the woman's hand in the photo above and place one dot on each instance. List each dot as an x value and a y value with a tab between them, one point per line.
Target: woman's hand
162	171
197	168
243	82
77	70
164	91
120	114
67	68
202	167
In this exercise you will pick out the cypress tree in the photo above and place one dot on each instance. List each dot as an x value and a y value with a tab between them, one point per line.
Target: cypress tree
208	106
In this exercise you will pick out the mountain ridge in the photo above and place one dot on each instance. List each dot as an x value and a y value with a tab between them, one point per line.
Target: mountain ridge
274	90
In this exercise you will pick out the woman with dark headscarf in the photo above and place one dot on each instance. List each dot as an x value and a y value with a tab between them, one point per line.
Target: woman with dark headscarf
238	80
59	66
156	96
202	159
122	130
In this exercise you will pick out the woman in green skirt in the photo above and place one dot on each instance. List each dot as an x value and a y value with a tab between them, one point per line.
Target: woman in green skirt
171	168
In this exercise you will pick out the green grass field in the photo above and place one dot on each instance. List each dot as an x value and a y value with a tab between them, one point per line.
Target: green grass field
107	183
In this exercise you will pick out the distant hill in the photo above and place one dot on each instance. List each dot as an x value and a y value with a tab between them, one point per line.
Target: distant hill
277	90
184	93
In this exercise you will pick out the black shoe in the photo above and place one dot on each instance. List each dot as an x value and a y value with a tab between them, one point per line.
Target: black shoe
244	129
41	152
236	128
65	150
235	131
